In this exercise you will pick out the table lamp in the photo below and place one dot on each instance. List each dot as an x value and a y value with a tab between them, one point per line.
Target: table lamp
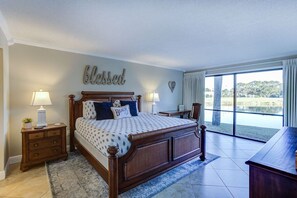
155	98
41	98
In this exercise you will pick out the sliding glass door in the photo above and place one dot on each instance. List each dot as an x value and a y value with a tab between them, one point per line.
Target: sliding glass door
248	105
219	103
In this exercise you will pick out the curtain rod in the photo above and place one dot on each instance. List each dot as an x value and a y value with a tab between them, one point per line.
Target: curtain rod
251	63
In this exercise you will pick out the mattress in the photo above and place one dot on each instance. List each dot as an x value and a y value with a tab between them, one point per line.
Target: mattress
93	150
104	133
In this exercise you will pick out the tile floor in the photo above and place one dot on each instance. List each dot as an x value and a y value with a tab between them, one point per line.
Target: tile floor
224	177
30	184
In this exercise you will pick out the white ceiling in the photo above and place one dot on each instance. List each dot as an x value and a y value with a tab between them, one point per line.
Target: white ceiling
186	35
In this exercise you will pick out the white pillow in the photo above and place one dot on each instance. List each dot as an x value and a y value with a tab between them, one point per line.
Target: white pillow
89	110
121	112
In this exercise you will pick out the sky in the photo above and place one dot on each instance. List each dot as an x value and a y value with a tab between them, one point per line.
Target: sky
276	75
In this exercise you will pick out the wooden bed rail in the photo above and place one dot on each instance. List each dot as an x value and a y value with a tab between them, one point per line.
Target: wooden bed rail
113	172
203	131
71	121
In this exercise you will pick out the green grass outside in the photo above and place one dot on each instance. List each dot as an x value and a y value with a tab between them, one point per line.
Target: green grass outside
257	133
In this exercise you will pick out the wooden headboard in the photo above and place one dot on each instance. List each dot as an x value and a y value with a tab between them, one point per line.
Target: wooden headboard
76	107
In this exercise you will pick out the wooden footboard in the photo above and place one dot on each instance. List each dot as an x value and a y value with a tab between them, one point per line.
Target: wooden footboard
151	154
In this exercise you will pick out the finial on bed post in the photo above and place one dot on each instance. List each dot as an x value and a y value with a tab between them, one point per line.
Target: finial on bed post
203	131
71	121
138	97
113	171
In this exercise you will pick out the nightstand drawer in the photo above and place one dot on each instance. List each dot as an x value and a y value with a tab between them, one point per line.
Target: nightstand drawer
44	153
44	144
34	136
53	133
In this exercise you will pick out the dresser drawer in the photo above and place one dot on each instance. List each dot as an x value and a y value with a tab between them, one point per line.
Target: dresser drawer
44	143
53	133
34	136
44	153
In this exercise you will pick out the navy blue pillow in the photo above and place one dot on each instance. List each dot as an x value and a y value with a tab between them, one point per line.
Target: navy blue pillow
103	110
132	106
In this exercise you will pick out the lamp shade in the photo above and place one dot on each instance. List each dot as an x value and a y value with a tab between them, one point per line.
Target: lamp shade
156	97
40	98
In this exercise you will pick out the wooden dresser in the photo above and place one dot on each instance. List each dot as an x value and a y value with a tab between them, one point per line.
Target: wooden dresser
40	145
272	170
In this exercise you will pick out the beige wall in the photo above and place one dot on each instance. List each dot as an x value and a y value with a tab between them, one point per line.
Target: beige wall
61	73
4	101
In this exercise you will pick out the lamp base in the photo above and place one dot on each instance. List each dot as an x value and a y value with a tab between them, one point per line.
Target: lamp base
154	109
41	113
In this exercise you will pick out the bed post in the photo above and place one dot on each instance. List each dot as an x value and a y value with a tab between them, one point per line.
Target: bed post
139	102
203	127
71	121
113	172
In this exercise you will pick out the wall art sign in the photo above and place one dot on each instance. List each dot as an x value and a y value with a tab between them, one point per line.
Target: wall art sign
102	78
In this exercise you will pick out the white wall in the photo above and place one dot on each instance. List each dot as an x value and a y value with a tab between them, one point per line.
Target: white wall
4	101
61	73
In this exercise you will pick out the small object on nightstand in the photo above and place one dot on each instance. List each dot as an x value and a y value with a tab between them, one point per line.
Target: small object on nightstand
39	127
181	107
41	145
57	124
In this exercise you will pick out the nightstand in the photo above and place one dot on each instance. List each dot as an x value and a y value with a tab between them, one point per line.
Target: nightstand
41	145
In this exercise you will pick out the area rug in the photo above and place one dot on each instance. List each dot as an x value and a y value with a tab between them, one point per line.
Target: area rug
77	178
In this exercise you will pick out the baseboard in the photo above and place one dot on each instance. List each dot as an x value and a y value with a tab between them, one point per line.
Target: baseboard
5	171
11	160
15	159
2	175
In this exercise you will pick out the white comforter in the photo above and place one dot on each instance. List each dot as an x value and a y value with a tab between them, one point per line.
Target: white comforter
111	132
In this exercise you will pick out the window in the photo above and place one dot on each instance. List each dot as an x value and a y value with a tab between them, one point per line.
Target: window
245	104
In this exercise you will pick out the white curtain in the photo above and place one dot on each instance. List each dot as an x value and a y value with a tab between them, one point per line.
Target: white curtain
290	92
194	86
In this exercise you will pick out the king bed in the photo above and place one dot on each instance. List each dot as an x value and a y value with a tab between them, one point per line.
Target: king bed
129	151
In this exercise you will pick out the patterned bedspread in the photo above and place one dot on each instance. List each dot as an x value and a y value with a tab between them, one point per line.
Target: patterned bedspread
104	133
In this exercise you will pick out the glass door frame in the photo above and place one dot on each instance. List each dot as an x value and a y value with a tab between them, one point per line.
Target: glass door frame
235	104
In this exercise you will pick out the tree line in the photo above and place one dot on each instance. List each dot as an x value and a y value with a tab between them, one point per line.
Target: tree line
257	89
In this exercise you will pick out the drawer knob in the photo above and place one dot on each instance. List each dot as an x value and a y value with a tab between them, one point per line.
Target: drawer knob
55	150
36	154
36	145
54	142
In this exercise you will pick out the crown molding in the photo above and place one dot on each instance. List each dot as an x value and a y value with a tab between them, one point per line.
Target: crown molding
5	30
48	46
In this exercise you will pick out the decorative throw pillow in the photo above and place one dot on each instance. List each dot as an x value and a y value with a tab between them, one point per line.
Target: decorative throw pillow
116	103
89	110
132	106
103	111
121	112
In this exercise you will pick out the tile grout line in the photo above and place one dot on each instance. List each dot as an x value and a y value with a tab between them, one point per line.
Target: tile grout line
222	181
